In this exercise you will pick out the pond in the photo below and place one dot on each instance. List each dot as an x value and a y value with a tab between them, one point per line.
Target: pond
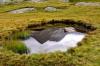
53	39
47	37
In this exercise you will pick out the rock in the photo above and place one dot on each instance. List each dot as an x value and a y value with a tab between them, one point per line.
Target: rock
23	10
57	35
43	36
88	4
53	34
50	9
10	1
37	1
70	29
64	0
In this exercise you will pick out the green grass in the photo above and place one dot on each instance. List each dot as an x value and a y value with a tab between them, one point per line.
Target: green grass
86	54
22	35
35	5
15	46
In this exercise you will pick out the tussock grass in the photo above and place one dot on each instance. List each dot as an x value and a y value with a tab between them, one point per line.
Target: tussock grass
87	54
15	46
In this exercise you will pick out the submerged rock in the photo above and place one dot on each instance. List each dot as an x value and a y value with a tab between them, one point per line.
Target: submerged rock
23	10
53	34
88	4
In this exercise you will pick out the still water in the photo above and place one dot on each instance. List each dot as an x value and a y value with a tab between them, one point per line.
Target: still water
68	41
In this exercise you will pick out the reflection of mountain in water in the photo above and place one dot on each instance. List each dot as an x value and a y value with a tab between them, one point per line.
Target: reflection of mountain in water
54	39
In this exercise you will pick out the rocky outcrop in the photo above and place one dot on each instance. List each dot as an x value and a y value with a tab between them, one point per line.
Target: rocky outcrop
88	4
23	10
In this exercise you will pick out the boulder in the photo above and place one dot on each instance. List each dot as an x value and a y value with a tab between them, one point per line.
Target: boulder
50	9
88	4
23	10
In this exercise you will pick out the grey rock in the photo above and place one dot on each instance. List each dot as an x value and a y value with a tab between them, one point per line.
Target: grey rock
10	1
23	10
69	29
44	35
88	4
57	35
3	1
52	34
64	0
37	1
50	9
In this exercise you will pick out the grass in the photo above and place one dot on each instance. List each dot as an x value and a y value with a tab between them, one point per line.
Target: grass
87	54
22	35
15	46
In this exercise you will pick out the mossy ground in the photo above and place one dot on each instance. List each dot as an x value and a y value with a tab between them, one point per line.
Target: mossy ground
88	52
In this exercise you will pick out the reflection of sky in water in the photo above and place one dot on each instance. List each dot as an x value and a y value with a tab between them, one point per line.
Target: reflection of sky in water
70	40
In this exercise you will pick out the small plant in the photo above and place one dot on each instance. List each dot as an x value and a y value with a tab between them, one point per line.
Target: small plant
16	46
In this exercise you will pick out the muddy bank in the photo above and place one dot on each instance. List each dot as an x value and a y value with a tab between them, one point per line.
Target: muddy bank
78	25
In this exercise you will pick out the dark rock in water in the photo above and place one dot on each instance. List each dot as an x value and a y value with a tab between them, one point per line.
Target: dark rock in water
53	34
57	35
43	36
